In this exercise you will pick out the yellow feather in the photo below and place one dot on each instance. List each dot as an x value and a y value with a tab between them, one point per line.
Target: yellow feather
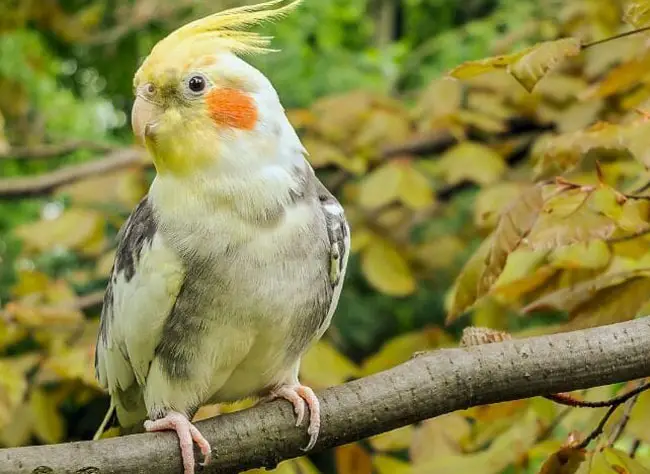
225	28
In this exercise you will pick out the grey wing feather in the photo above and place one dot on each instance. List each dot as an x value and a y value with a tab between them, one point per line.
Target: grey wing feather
339	237
143	287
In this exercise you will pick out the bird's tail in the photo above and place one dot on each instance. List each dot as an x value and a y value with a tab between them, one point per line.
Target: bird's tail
107	418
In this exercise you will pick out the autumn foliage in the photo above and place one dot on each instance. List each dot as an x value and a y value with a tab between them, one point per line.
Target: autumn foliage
516	185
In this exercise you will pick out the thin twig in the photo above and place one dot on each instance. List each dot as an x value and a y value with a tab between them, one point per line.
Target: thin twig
55	149
618	430
568	400
635	447
45	183
626	238
615	37
599	429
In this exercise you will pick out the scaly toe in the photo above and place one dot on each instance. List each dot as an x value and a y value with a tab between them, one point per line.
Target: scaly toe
187	434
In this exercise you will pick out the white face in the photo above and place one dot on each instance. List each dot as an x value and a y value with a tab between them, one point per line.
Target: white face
217	115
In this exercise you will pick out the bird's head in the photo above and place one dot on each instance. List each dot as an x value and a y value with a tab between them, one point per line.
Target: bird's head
199	106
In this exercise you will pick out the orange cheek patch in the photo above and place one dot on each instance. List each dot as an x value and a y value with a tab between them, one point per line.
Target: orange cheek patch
232	108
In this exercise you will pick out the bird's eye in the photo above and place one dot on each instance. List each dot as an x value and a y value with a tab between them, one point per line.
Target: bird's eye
196	84
150	89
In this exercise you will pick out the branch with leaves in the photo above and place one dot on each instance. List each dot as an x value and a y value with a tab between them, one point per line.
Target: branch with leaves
428	385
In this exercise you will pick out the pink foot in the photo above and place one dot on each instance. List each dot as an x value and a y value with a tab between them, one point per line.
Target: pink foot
298	395
187	433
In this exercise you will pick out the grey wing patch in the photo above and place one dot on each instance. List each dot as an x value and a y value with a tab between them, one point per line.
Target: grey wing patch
338	233
339	238
138	231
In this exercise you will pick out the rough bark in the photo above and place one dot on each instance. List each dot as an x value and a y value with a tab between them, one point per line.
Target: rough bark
428	385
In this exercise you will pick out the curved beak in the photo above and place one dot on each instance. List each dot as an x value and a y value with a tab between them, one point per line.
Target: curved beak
144	117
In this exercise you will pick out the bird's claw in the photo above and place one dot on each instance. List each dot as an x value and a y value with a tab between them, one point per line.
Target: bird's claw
187	435
299	396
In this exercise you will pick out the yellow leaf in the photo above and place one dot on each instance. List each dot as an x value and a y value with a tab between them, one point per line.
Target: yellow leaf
440	98
514	224
611	305
640	418
414	188
394	440
70	363
386	269
598	292
634	215
636	12
439	437
529	68
612	461
484	122
359	239
567	219
104	265
521	263
470	161
620	78
352	459
490	421
19	429
29	282
48	423
440	253
401	348
10	332
381	129
123	187
41	316
381	186
592	254
554	155
490	104
463	293
322	154
293	466
389	465
12	390
76	229
323	366
502	452
338	117
514	290
491	201
565	461
469	69
490	313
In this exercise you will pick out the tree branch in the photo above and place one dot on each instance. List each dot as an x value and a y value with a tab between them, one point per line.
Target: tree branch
44	183
428	385
56	149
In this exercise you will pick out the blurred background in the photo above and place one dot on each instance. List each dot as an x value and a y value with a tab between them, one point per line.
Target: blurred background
423	164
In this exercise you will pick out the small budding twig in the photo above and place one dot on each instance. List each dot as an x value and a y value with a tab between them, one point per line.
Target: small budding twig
618	430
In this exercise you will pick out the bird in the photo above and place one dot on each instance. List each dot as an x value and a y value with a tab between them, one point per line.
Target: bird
231	266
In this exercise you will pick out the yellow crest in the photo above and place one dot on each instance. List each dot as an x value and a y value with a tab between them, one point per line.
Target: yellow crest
224	30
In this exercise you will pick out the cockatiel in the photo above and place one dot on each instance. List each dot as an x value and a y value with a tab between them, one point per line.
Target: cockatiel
233	263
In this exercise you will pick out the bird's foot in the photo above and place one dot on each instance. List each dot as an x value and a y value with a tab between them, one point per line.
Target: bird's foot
299	396
187	433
